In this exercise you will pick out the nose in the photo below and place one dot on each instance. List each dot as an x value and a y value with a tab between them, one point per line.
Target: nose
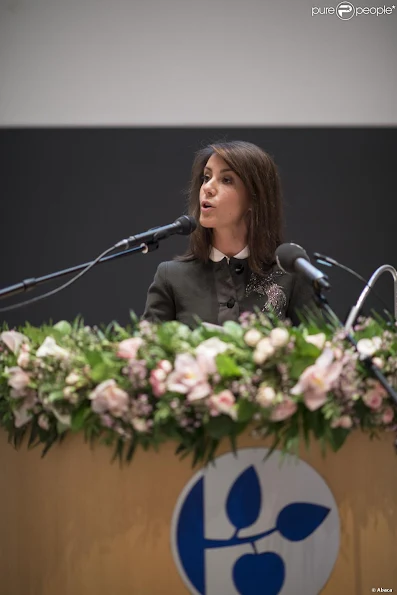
209	189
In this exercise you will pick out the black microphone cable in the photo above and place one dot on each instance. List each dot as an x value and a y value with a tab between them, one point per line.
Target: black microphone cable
54	291
329	262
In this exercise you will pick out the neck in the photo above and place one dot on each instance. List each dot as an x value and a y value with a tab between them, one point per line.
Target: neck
229	242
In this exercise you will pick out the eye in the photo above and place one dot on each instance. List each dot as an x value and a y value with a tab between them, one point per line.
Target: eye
227	180
205	178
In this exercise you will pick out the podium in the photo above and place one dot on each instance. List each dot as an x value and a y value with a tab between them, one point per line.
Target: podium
74	523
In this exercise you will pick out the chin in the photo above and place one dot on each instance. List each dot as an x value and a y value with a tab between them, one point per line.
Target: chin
204	223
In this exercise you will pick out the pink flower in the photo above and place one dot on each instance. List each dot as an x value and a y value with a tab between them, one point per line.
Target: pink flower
374	397
158	377
107	421
128	348
317	380
387	415
373	400
157	380
13	340
223	402
18	379
24	414
186	375
165	365
24	357
136	371
200	391
206	353
283	410
108	397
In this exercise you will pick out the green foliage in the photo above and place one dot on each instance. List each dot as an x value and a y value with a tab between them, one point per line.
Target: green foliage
194	387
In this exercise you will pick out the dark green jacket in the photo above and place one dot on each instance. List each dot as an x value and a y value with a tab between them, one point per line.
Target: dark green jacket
219	291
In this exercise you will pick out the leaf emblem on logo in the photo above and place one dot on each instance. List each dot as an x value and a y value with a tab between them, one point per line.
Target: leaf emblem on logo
298	520
244	499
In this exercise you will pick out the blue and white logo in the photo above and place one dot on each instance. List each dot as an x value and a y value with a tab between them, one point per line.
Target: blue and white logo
246	526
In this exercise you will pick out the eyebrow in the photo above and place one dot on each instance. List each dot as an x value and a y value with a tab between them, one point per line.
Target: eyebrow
221	171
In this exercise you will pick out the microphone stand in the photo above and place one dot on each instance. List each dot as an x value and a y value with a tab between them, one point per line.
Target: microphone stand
29	284
367	361
360	302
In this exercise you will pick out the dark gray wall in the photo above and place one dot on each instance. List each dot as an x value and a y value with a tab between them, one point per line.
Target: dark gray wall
68	194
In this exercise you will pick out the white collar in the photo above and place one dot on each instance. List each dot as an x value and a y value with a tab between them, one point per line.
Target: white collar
216	255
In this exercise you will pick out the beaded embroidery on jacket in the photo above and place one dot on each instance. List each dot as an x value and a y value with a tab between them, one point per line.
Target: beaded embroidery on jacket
267	286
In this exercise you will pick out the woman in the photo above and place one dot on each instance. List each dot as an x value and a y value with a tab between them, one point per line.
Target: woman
230	267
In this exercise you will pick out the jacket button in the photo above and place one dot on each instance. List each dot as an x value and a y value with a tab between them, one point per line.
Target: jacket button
230	303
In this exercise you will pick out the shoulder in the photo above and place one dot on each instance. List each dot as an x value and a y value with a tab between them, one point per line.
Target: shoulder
172	270
177	265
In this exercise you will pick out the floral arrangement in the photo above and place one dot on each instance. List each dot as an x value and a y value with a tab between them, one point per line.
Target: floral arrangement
149	383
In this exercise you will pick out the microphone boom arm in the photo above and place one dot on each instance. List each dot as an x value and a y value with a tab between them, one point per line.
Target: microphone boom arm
364	294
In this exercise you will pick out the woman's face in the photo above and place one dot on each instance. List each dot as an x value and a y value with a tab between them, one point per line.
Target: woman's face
224	200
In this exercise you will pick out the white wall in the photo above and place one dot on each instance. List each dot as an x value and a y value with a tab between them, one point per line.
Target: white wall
194	62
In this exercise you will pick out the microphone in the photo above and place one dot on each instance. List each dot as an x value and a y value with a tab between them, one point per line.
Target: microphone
292	258
184	225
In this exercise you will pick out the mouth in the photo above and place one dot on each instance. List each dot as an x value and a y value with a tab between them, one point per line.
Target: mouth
206	206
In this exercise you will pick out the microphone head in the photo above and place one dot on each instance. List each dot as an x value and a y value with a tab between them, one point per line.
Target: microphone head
187	224
286	255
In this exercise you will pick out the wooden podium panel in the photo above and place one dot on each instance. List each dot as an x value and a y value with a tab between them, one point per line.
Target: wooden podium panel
73	523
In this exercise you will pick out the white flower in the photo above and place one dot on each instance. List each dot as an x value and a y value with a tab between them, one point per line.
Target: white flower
263	351
211	347
266	346
252	337
367	347
378	362
139	424
50	348
72	378
265	396
316	340
279	337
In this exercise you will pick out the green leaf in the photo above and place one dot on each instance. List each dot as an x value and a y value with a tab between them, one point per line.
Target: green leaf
298	366
55	395
220	426
233	329
79	418
64	327
103	372
233	443
227	368
93	358
305	349
245	410
337	437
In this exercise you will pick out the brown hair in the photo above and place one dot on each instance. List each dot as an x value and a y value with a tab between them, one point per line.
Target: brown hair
259	174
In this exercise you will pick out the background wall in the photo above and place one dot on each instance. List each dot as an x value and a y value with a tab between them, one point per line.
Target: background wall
190	62
102	105
68	194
